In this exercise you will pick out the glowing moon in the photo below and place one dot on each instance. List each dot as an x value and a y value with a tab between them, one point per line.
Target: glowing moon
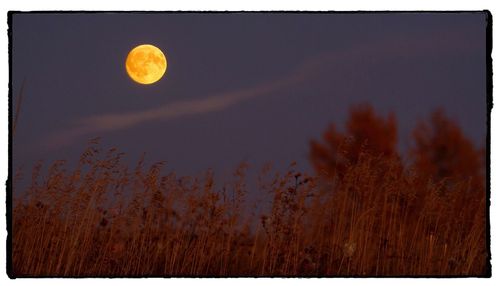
146	64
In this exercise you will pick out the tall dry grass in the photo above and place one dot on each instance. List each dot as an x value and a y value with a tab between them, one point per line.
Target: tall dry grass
104	219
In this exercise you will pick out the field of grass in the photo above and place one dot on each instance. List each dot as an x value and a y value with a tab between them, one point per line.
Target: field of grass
102	218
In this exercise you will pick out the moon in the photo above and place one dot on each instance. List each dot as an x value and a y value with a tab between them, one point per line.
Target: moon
146	64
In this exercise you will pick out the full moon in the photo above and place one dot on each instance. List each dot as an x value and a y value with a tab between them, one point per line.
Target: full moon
146	64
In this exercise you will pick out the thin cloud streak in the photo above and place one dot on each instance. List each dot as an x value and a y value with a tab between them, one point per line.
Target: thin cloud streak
180	108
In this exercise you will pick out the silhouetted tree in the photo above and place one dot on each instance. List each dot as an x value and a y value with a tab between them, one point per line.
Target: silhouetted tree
366	133
441	151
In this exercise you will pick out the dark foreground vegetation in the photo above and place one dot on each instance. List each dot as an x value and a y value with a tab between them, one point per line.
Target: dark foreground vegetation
365	212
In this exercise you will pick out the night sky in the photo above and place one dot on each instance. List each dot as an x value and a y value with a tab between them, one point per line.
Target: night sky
239	86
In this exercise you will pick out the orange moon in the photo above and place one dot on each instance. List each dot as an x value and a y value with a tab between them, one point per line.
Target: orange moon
146	64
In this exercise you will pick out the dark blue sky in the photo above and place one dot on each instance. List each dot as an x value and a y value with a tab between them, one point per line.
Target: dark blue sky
239	86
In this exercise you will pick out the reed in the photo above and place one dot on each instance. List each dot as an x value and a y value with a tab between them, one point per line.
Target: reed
103	219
